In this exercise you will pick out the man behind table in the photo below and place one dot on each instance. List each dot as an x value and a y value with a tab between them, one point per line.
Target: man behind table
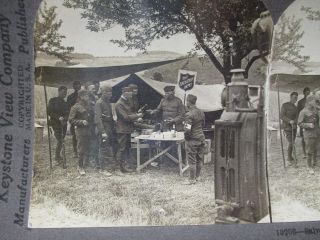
105	128
171	109
58	112
71	100
309	121
289	116
195	139
301	104
125	126
81	116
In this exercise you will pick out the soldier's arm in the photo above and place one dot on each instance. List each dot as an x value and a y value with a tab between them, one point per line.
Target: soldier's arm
283	114
98	117
72	117
158	109
188	122
124	115
51	109
181	112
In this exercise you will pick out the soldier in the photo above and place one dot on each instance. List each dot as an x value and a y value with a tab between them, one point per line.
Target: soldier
80	117
58	112
172	110
309	121
125	126
135	100
105	128
195	140
289	116
300	106
96	90
71	100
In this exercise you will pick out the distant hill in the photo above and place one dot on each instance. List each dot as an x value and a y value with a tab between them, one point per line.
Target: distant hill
206	71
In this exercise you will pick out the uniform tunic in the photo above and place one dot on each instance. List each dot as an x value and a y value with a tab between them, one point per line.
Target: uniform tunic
71	100
57	108
124	127
171	108
195	140
78	113
105	124
311	134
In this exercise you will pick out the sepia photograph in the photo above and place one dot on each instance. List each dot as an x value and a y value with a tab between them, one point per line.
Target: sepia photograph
293	115
150	113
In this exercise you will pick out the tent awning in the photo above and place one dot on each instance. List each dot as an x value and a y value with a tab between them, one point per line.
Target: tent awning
57	76
293	82
209	96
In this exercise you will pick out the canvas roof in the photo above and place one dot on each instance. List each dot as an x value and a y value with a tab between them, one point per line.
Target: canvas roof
293	82
209	96
57	76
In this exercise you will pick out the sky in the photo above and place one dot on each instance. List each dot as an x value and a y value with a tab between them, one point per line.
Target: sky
311	29
98	44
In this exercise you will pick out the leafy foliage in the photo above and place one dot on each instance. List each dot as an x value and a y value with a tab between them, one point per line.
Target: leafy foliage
221	27
46	34
287	45
313	15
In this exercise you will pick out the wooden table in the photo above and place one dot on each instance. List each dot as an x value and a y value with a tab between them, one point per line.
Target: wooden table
176	141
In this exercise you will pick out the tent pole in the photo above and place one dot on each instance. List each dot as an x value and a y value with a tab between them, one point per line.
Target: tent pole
48	127
280	128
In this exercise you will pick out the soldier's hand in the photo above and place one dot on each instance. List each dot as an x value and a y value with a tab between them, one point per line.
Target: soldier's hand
61	119
140	120
149	111
104	135
291	122
85	122
140	115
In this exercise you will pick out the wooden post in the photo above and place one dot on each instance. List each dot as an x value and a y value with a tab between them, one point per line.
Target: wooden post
48	127
138	155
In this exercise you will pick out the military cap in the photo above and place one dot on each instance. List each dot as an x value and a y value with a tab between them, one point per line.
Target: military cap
62	88
191	98
169	88
306	89
133	86
106	89
126	89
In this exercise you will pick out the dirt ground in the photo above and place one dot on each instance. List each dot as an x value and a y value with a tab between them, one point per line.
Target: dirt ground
295	193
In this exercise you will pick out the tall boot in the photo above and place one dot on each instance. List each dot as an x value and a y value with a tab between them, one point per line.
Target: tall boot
309	160
192	176
290	160
198	170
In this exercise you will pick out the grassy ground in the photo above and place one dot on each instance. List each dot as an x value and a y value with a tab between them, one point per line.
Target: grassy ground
296	189
154	197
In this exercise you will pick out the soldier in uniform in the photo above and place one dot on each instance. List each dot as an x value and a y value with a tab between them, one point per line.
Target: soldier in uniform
194	136
71	100
171	109
105	128
80	117
58	111
309	121
300	106
135	100
289	117
125	126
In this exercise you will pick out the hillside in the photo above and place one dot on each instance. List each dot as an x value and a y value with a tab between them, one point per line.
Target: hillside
207	73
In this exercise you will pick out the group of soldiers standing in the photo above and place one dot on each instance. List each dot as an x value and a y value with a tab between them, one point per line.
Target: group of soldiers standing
305	116
102	134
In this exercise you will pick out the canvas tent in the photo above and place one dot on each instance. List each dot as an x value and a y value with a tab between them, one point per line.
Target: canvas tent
57	76
151	92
